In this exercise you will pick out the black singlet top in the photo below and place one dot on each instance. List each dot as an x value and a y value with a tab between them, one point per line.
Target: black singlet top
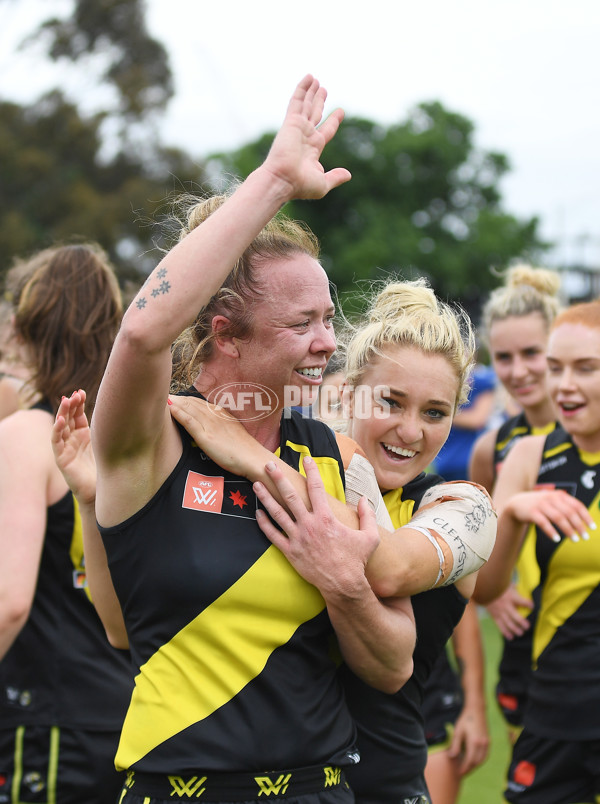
391	736
234	650
515	665
61	670
564	693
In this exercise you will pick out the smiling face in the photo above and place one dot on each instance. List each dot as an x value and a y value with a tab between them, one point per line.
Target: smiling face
518	352
574	381
292	332
406	431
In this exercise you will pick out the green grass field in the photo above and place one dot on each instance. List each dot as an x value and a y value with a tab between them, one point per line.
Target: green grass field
486	784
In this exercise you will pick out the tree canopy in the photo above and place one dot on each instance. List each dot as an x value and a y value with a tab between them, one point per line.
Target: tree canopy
60	181
134	63
423	200
56	186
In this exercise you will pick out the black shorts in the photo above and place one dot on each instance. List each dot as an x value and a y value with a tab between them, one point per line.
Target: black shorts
39	764
409	791
512	707
544	771
439	722
319	785
328	797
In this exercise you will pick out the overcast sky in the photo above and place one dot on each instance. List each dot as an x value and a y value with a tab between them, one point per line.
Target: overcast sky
527	72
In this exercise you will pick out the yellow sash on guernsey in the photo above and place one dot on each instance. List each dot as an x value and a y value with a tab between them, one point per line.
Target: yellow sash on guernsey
573	573
227	645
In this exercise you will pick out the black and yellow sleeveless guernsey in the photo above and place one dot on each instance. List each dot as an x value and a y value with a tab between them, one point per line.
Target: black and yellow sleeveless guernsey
391	736
563	708
514	670
63	689
237	669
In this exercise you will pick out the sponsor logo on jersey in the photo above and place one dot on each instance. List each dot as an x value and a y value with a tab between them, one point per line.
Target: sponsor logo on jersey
587	479
553	463
216	495
239	499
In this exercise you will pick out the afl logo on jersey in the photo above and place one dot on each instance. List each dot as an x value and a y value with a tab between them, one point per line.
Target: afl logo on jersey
587	479
203	493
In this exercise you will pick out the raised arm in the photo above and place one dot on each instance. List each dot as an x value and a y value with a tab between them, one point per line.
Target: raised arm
74	457
132	434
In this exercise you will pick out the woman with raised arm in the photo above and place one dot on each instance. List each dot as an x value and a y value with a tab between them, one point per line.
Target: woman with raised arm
236	695
550	484
407	371
64	688
516	322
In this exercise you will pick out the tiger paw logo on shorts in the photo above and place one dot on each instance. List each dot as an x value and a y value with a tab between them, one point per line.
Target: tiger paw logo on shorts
525	773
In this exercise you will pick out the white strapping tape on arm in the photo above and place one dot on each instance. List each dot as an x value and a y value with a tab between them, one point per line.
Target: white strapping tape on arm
467	525
434	542
362	482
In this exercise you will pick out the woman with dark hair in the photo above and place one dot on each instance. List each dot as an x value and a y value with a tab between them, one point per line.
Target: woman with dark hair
63	687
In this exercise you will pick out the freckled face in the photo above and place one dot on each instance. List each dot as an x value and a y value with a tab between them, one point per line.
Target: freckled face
409	425
292	334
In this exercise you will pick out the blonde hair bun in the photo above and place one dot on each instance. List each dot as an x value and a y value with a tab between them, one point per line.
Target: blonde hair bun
541	279
403	298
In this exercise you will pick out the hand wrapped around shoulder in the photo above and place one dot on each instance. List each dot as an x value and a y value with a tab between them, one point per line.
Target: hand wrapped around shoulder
219	434
460	513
